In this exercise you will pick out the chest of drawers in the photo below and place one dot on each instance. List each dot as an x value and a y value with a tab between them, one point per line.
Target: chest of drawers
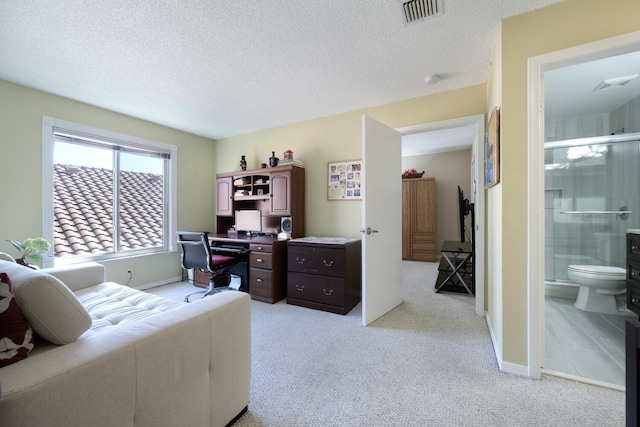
324	273
633	272
267	271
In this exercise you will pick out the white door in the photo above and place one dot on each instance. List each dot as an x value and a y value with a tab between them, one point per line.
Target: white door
381	219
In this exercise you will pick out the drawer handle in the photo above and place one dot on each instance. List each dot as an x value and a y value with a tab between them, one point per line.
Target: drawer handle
634	300
327	264
259	248
259	280
259	260
634	248
300	287
635	274
300	260
328	292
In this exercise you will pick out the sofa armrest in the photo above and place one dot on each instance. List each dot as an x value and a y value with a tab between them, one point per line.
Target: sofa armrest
79	276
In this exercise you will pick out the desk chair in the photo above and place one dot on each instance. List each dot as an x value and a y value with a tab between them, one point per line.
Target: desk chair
196	253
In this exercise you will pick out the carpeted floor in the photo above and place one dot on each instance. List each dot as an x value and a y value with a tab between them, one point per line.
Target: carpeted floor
428	362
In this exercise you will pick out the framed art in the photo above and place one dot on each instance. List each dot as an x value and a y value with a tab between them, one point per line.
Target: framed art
345	180
492	150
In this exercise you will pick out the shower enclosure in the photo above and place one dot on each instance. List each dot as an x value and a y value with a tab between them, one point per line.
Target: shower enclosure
592	196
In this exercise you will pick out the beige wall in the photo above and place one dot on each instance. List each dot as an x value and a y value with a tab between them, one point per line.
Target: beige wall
334	138
21	153
567	24
450	169
493	217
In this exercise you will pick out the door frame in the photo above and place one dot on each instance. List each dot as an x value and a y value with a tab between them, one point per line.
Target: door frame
535	157
477	189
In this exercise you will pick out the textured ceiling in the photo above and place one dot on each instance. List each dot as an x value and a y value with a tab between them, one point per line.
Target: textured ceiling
219	68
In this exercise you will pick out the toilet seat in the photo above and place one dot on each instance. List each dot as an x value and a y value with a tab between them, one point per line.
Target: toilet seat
600	272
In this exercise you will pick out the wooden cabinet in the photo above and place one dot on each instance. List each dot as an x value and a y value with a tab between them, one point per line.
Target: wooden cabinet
419	219
280	193
324	276
277	192
267	271
224	196
633	272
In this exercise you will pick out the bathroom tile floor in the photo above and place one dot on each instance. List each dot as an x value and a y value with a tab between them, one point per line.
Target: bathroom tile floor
584	344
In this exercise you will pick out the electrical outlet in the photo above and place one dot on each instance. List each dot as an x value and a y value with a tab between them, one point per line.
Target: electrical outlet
131	271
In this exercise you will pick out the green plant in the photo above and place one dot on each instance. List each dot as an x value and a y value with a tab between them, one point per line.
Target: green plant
32	248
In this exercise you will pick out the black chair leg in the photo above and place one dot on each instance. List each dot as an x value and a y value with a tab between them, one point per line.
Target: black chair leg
212	282
211	289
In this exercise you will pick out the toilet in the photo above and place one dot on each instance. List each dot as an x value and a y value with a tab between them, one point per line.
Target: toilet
599	286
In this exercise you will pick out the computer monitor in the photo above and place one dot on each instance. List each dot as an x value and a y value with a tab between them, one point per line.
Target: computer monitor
249	221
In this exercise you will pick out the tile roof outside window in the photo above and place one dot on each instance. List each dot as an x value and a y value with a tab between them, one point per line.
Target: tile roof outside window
83	209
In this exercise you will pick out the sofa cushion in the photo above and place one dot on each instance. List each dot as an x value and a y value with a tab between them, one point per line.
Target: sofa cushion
16	336
110	304
52	310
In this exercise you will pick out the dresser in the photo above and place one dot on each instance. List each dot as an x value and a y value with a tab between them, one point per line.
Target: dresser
324	273
633	270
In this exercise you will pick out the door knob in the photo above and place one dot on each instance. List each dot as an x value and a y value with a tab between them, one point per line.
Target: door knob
369	230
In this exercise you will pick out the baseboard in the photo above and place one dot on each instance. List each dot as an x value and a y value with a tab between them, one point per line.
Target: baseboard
512	368
160	283
496	350
506	367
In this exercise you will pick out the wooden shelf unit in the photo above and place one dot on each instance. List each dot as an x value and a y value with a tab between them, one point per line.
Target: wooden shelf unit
277	192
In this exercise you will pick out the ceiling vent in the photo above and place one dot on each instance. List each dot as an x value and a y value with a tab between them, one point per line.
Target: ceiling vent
614	83
416	10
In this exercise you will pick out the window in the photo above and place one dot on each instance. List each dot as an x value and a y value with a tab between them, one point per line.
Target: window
105	195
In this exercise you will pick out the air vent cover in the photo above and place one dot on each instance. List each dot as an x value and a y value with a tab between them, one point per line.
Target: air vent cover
416	10
614	83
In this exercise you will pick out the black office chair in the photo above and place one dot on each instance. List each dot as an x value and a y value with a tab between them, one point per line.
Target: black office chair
196	253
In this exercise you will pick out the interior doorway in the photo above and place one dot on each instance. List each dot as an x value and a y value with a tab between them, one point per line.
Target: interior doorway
476	197
538	66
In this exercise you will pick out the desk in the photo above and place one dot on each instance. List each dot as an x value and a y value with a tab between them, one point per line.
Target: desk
263	268
455	272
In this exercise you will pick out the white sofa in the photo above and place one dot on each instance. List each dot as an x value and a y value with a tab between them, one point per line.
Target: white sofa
145	361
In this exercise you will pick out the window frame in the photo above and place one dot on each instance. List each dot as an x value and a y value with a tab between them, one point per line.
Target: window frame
49	126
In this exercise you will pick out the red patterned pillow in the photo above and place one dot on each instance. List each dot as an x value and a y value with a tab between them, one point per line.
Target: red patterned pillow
16	336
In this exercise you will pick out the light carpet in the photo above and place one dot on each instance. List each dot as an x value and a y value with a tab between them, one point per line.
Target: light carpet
428	362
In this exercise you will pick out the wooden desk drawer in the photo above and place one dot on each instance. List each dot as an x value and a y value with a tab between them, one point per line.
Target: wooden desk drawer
260	247
324	261
261	282
323	290
261	260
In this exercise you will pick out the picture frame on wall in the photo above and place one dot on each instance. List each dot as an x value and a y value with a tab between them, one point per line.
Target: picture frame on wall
344	180
492	150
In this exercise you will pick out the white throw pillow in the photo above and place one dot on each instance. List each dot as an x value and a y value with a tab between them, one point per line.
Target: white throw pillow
52	310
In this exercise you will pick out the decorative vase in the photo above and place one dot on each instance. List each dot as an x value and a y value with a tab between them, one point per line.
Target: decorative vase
243	164
288	155
273	160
